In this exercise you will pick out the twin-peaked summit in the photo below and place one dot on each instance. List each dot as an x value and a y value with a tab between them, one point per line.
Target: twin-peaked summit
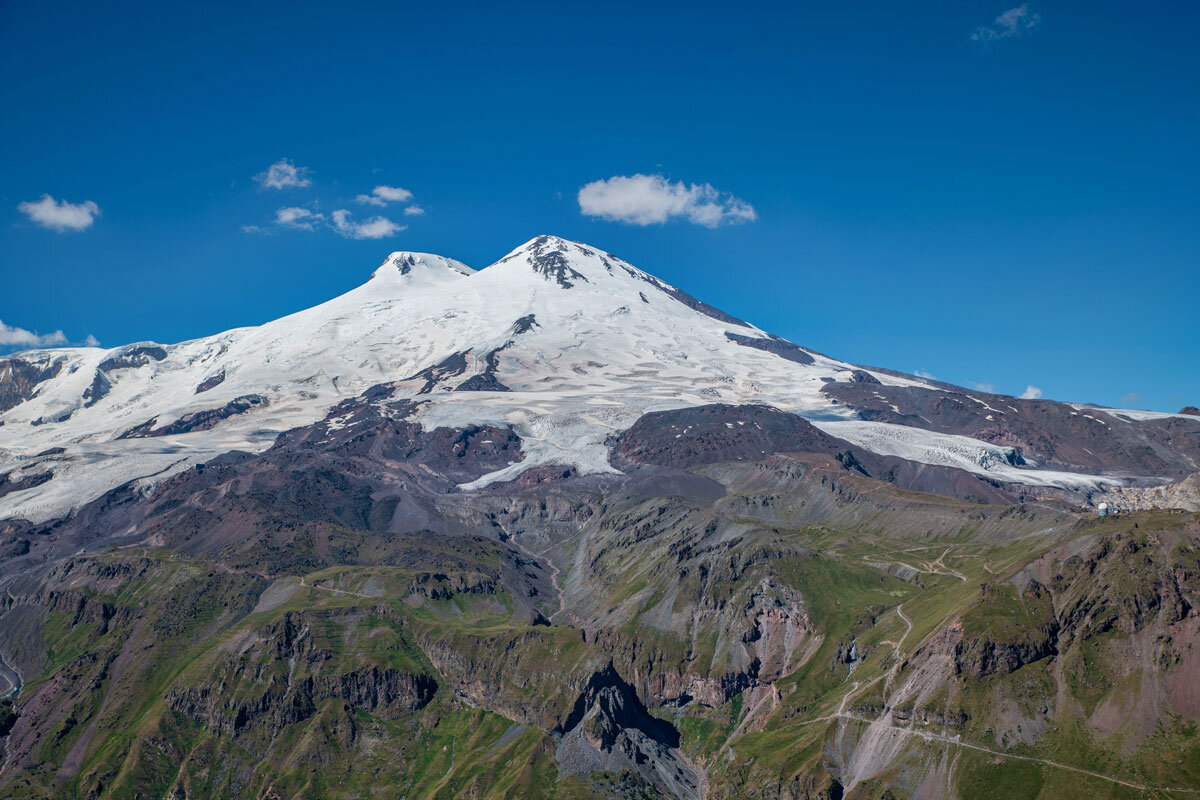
559	262
561	342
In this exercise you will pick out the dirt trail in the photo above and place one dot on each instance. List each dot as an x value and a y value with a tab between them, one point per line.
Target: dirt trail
933	737
331	590
897	656
939	567
884	721
936	567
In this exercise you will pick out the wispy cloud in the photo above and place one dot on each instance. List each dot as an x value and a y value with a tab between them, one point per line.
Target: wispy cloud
652	199
1031	393
14	337
341	221
373	228
382	195
1131	399
59	215
1014	22
929	376
296	217
982	387
283	174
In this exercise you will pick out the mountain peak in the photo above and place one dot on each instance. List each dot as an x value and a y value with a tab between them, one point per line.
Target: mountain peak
410	266
565	262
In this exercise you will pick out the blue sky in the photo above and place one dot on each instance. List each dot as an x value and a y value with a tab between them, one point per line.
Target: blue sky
986	192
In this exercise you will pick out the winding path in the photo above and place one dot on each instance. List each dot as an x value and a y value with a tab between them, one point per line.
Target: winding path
842	714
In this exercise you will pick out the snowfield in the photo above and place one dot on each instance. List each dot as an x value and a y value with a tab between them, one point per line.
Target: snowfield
585	342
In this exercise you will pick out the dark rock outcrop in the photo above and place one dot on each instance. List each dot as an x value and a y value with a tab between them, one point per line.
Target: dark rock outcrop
450	366
210	382
773	344
131	357
609	729
197	420
8	484
547	259
982	656
384	692
862	376
1054	434
19	378
689	437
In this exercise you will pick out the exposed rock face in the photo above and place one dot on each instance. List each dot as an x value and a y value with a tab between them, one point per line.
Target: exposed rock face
1192	410
131	357
197	420
780	347
1183	495
862	376
1120	585
483	382
450	366
385	692
487	381
708	434
278	677
210	382
690	437
13	483
549	261
1049	432
996	650
610	729
780	631
661	682
980	658
19	378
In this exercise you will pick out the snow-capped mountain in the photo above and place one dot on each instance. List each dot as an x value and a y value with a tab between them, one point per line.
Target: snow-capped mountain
564	343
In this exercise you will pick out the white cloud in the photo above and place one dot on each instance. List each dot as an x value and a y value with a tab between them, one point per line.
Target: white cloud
1014	22
59	215
652	199
382	195
342	221
91	341
929	376
1031	393
373	228
283	174
295	217
19	337
982	387
1131	399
